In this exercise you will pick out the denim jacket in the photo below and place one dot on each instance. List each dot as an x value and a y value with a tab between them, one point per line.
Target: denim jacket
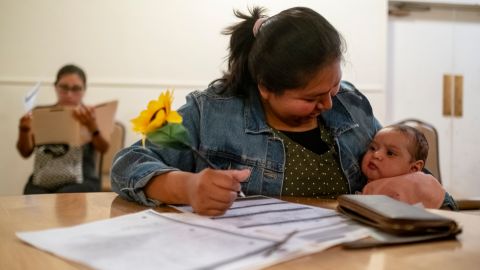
232	132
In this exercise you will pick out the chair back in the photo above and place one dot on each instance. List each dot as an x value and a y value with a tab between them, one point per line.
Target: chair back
117	142
433	160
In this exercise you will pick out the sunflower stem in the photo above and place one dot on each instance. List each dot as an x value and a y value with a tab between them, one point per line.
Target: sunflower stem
195	151
210	164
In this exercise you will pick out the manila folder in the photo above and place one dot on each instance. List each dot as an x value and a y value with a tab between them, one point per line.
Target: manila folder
57	125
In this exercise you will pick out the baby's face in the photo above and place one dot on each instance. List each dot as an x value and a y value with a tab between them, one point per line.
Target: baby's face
387	155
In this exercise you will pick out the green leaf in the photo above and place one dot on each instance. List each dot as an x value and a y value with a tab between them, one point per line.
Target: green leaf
171	135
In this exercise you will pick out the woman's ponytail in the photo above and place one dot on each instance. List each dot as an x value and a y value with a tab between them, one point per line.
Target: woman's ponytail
242	38
281	52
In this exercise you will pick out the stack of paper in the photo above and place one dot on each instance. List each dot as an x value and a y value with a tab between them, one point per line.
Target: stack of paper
251	235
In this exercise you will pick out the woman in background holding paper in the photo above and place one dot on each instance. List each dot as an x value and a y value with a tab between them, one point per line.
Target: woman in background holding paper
59	165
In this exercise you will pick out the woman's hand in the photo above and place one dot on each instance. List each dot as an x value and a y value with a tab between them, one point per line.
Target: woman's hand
25	141
86	116
410	188
212	192
26	123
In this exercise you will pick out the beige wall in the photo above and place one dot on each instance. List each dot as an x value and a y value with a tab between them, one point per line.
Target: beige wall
131	50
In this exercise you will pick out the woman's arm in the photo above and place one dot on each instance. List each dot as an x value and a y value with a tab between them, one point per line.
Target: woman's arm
25	141
141	174
152	174
99	142
209	192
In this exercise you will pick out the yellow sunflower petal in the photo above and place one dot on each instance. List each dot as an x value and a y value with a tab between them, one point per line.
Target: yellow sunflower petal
163	100
167	99
174	117
157	122
138	124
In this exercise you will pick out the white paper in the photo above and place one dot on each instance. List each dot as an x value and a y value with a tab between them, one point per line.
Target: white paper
148	240
277	217
30	98
315	228
152	240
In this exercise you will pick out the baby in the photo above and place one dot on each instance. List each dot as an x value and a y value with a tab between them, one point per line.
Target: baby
395	153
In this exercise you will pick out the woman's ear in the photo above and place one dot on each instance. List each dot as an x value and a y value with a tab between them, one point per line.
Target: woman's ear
417	166
264	93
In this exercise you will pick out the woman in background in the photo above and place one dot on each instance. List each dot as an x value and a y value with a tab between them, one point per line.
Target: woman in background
70	87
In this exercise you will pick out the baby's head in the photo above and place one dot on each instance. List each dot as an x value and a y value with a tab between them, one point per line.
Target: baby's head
395	150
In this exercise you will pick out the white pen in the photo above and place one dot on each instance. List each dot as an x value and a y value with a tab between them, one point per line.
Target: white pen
241	194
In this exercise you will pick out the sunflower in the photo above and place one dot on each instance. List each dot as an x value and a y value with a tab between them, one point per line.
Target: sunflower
163	127
157	115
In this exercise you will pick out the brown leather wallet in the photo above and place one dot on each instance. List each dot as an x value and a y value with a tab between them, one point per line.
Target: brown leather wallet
405	223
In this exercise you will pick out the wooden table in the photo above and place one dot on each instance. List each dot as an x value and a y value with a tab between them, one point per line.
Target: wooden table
36	212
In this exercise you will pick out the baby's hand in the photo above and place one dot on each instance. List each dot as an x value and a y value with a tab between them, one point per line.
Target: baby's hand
410	188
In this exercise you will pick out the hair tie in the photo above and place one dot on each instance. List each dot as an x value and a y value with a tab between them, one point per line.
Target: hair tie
258	24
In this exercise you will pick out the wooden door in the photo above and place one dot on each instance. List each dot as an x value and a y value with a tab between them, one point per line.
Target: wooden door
424	47
465	158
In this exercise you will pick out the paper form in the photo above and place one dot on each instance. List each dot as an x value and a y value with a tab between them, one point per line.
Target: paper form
260	213
31	97
149	240
320	227
152	240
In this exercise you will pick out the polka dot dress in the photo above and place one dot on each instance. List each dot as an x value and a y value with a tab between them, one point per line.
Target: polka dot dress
308	174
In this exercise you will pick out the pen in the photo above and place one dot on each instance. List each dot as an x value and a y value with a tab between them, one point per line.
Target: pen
241	194
213	166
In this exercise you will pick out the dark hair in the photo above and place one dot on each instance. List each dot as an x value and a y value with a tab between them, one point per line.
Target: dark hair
71	69
419	146
286	52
